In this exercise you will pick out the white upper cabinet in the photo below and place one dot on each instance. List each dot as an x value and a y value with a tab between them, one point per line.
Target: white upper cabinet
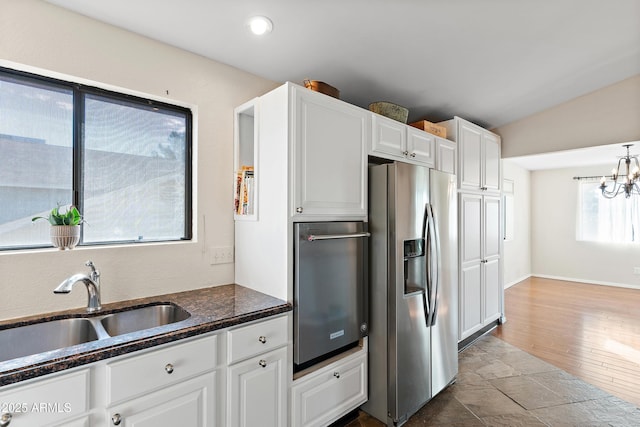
480	289
446	159
479	156
491	161
470	149
420	146
389	136
395	140
330	142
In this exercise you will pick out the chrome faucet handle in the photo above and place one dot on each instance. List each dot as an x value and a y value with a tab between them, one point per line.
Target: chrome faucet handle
95	274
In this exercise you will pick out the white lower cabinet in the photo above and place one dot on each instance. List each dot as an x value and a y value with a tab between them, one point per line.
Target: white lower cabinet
58	400
172	385
323	396
258	391
257	374
188	403
480	269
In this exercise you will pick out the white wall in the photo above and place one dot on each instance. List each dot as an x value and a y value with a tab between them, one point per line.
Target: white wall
37	34
555	252
517	249
610	115
606	116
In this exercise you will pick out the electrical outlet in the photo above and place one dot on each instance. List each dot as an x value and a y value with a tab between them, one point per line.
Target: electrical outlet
221	255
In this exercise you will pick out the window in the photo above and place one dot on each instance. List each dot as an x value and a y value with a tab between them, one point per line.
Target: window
124	161
614	220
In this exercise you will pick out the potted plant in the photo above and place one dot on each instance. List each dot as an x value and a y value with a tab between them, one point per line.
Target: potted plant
65	226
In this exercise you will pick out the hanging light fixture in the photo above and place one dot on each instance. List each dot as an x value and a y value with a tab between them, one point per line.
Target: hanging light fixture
625	177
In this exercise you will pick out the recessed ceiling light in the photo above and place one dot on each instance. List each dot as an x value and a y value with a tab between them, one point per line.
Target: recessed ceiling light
260	25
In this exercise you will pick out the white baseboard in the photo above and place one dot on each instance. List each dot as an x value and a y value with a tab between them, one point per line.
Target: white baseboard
590	282
508	285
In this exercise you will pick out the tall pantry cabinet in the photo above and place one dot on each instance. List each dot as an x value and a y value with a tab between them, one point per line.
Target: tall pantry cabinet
481	290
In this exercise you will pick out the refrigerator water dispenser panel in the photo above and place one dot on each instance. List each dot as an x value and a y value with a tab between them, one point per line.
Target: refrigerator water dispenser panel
414	266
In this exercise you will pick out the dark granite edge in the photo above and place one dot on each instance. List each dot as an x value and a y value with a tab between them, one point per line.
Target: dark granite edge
205	317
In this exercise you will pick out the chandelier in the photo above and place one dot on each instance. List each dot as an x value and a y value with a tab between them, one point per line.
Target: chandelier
625	177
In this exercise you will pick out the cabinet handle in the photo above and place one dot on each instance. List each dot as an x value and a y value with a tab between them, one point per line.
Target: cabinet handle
169	368
336	374
412	155
299	210
5	419
263	363
405	153
262	339
116	419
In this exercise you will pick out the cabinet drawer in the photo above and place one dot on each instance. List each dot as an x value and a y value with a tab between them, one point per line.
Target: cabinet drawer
46	402
159	368
257	338
324	396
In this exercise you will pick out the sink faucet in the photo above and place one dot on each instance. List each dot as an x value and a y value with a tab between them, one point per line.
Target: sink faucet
92	282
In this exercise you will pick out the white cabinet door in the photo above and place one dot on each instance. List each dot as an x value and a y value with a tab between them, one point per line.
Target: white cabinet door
479	158
470	228
258	391
329	152
470	315
480	248
470	152
492	291
492	224
189	403
491	162
421	146
51	400
389	137
446	159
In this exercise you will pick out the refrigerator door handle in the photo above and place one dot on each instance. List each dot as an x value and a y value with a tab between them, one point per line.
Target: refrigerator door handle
433	266
313	237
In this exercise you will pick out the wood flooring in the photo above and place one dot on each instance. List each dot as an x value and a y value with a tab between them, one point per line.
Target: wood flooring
590	331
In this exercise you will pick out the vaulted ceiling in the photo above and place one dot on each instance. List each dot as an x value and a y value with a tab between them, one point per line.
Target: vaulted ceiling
490	61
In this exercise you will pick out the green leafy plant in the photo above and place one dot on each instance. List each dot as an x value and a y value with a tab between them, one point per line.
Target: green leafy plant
57	217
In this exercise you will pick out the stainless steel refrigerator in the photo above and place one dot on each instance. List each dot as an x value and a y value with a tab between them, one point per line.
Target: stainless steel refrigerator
413	351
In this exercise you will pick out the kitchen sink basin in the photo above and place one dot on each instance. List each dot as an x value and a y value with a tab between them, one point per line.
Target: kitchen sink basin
138	319
27	340
41	337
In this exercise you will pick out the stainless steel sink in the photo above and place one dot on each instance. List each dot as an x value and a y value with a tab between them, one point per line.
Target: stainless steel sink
138	319
41	337
49	335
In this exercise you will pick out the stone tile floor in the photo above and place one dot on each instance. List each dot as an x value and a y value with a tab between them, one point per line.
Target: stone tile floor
501	385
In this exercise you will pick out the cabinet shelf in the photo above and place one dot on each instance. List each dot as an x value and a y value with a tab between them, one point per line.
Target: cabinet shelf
245	182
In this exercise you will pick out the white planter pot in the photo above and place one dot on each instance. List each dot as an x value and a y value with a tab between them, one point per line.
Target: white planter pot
65	236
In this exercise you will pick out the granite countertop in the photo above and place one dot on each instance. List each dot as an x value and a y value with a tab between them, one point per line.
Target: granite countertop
211	309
